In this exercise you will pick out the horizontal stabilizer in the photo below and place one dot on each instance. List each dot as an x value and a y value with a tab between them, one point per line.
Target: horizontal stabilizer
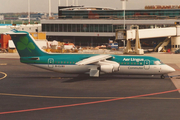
15	32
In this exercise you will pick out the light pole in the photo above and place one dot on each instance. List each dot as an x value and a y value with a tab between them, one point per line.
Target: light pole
49	8
29	11
73	3
59	2
76	2
124	8
66	2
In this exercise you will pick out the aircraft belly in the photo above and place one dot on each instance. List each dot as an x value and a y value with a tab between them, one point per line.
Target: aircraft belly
66	68
154	69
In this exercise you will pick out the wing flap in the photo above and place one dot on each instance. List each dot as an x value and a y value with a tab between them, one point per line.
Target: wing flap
93	59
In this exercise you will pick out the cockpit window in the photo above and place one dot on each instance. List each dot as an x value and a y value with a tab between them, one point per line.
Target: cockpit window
158	62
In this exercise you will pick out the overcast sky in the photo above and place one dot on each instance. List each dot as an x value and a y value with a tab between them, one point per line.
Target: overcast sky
42	5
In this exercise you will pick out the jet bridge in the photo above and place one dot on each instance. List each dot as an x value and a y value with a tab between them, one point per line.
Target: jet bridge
136	34
153	33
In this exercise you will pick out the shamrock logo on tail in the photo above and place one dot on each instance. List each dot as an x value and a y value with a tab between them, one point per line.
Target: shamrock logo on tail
24	43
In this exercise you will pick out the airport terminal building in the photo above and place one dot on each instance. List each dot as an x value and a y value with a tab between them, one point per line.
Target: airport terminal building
92	26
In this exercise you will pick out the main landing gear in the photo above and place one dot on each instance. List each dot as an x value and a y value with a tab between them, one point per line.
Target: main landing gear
162	76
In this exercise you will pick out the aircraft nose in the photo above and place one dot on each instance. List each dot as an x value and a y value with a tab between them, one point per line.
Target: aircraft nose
167	69
170	69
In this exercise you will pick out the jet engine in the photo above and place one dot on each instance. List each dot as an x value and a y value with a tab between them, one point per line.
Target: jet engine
109	66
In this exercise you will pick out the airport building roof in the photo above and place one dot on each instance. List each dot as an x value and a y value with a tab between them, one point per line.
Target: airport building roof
111	13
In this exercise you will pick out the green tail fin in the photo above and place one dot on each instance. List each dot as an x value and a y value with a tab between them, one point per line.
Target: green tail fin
25	44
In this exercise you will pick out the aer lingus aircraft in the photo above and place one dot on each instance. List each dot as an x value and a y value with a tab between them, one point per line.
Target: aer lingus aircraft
93	64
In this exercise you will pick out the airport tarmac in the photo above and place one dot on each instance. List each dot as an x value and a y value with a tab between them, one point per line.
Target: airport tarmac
32	93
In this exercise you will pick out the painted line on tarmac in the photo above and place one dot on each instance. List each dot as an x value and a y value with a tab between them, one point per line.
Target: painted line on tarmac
5	75
10	58
3	64
54	97
62	97
87	103
177	69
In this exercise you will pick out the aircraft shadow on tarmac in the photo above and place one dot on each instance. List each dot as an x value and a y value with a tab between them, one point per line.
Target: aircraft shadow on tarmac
109	77
66	78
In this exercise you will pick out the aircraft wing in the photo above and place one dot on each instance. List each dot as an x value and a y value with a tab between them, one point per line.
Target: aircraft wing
93	59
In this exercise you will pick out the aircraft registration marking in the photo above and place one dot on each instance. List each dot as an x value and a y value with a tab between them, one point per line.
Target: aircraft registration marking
59	65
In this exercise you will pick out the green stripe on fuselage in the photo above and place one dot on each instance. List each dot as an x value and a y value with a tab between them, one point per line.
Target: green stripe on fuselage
71	59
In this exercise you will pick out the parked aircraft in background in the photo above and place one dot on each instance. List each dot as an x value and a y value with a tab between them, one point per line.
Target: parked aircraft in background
93	64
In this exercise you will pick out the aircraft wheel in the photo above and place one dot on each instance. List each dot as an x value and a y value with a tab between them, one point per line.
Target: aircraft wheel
99	73
119	68
162	76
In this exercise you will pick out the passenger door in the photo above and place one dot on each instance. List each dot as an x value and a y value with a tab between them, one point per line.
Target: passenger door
147	64
50	62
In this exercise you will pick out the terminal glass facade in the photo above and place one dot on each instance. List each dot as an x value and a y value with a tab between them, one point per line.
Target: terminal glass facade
93	27
118	14
80	27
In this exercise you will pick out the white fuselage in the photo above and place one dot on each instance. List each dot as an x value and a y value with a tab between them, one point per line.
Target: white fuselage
141	70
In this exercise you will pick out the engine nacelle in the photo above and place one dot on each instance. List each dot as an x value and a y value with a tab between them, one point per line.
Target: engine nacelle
107	68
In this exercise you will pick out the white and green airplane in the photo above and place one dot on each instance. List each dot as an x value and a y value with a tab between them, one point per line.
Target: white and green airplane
93	64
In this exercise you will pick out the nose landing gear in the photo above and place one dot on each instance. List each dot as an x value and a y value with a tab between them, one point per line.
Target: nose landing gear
162	76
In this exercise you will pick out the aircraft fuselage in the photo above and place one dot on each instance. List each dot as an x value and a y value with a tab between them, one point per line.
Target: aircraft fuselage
66	63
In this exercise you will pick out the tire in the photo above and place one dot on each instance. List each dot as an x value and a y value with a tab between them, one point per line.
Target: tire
162	76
